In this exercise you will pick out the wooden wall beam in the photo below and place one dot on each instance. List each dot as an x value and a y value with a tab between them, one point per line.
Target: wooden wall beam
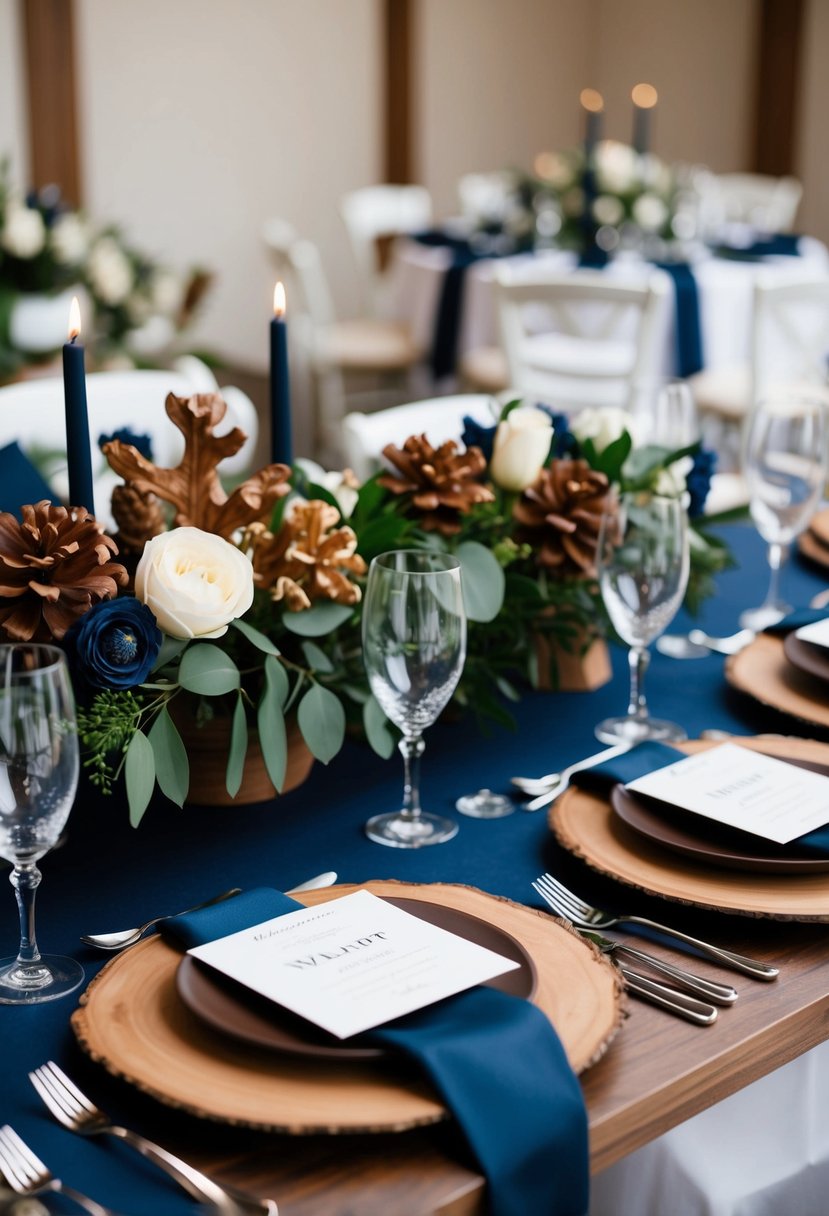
777	86
48	31
398	77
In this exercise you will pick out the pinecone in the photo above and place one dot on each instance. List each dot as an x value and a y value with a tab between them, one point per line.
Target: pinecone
305	560
53	567
560	515
442	481
139	517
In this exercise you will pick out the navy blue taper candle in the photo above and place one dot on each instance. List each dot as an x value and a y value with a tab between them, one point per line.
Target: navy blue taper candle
644	99
78	452
281	440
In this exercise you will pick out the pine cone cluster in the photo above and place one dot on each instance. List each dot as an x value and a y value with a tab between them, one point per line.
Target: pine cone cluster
560	515
53	567
308	559
139	517
443	482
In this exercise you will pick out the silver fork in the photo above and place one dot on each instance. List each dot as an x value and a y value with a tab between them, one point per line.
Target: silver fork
720	994
588	917
27	1175
74	1110
551	785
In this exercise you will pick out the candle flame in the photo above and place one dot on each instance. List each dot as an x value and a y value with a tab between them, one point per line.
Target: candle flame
592	100
279	300
644	96
74	319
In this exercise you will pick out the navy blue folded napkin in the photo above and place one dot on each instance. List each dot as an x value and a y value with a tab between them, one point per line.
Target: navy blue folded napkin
496	1062
20	481
689	352
776	244
647	758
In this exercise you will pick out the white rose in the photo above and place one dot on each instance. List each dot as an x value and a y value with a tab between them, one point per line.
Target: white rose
70	239
522	444
342	485
194	582
167	292
608	210
650	212
110	271
603	425
616	167
672	481
24	233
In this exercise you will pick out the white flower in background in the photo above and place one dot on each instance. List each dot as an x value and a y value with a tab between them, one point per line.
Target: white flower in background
24	232
572	203
342	485
650	212
672	481
166	292
109	271
616	167
608	210
603	425
522	444
194	582
70	239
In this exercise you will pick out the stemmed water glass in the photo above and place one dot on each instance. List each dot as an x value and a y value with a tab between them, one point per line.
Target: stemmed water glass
39	766
784	463
414	645
642	565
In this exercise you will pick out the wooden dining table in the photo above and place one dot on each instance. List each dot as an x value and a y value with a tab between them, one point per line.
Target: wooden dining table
657	1071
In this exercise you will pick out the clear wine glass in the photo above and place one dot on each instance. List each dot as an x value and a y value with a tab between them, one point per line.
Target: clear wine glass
414	646
642	566
784	463
39	766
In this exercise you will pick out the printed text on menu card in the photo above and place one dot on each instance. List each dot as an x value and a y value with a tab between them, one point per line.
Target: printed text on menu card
352	963
743	789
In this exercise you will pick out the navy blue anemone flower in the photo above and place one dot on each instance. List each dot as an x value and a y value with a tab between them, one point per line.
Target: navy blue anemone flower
114	645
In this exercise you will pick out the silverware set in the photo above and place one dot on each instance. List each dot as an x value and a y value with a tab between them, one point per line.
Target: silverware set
27	1175
544	790
688	995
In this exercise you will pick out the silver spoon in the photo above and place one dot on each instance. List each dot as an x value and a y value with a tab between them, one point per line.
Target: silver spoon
128	937
551	781
697	644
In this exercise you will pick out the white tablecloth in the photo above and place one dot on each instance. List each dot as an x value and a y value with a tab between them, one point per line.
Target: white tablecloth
725	287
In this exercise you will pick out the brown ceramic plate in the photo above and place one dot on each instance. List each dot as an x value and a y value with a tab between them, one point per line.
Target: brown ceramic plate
819	526
234	1010
710	843
805	656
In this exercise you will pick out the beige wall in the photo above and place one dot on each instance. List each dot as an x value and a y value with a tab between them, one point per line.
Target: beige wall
812	166
12	109
201	118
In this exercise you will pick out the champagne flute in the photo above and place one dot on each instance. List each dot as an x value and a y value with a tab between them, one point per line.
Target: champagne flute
39	766
642	565
414	645
785	466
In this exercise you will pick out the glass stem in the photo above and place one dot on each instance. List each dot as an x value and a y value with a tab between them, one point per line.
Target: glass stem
777	555
26	879
638	660
411	749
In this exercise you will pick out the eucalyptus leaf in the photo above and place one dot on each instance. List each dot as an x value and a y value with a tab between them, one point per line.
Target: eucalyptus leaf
254	636
316	658
271	723
319	619
277	676
170	649
378	728
238	749
206	669
321	719
172	767
139	775
483	581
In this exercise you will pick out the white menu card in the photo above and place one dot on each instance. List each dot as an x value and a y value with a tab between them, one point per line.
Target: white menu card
352	963
745	790
817	633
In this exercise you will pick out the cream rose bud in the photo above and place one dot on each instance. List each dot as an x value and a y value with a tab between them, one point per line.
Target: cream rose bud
603	425
522	444
194	582
23	233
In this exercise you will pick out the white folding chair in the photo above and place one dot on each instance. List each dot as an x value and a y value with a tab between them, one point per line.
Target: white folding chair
32	413
328	348
767	203
440	418
374	214
581	338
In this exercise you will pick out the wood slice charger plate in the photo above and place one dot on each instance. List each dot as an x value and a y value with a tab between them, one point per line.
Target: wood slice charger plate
133	1022
814	542
762	671
585	824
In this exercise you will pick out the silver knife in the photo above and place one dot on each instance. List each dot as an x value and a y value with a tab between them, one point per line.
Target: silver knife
680	1003
718	994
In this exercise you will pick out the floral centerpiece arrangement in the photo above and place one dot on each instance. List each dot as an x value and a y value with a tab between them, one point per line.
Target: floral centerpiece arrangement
137	304
245	606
